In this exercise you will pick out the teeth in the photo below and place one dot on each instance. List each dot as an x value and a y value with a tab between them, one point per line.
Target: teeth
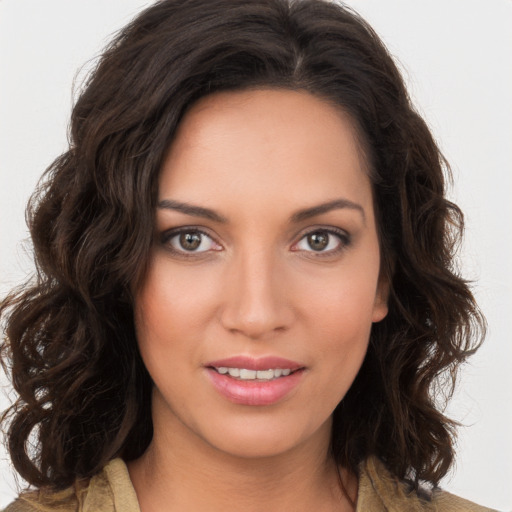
244	374
247	374
265	374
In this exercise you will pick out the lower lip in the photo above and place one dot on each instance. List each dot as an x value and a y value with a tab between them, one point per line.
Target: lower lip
254	392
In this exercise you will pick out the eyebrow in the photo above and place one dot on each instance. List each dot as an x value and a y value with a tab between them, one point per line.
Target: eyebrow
299	216
189	209
335	204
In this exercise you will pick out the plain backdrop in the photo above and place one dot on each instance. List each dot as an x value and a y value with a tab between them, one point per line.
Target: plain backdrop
456	57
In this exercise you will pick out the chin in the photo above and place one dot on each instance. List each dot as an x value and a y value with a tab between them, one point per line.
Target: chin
260	437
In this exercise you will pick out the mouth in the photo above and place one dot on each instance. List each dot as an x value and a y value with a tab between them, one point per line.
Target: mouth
245	374
255	381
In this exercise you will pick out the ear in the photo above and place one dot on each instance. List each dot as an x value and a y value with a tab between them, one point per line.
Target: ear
380	306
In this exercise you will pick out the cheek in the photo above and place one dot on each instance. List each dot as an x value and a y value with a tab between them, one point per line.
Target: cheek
172	311
339	331
156	309
343	300
340	310
172	295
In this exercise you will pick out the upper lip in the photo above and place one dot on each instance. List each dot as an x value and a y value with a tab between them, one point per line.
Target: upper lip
255	363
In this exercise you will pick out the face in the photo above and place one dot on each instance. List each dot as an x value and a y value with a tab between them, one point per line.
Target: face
255	314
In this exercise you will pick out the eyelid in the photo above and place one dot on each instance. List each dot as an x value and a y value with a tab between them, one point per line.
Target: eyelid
166	235
344	237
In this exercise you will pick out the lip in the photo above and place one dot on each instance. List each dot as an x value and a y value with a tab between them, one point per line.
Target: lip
250	392
255	363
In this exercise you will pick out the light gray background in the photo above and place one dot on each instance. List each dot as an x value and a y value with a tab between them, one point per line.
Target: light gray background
456	56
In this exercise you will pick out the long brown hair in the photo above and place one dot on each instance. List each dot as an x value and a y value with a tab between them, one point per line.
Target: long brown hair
69	343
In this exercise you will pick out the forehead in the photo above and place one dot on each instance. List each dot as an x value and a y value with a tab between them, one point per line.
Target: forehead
267	144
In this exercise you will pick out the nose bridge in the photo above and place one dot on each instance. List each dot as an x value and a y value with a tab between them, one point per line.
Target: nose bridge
255	305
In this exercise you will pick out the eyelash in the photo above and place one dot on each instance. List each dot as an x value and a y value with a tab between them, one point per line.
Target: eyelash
167	236
343	237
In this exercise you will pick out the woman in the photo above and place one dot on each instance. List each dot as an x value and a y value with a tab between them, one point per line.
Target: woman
246	289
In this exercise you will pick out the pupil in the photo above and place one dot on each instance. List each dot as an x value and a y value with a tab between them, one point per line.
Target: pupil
318	241
190	241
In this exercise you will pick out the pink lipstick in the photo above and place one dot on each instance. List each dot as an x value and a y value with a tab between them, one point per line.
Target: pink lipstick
254	381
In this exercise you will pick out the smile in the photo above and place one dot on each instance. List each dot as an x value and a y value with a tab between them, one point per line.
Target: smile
259	381
245	374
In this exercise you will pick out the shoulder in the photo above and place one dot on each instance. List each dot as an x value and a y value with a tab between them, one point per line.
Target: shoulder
380	491
19	506
110	490
43	501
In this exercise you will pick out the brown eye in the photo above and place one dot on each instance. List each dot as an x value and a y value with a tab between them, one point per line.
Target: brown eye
325	241
318	241
190	241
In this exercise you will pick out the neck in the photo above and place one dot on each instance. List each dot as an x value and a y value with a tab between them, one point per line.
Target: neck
183	472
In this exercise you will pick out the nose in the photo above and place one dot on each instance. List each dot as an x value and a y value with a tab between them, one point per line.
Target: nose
256	303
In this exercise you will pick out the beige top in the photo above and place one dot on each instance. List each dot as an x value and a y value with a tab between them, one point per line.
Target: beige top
112	491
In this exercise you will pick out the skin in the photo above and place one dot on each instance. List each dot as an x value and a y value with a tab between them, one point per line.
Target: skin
256	287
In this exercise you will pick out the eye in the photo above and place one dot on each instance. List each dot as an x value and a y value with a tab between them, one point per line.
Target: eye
189	241
323	241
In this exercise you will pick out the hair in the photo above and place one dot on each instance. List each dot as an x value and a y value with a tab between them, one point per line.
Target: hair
69	341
